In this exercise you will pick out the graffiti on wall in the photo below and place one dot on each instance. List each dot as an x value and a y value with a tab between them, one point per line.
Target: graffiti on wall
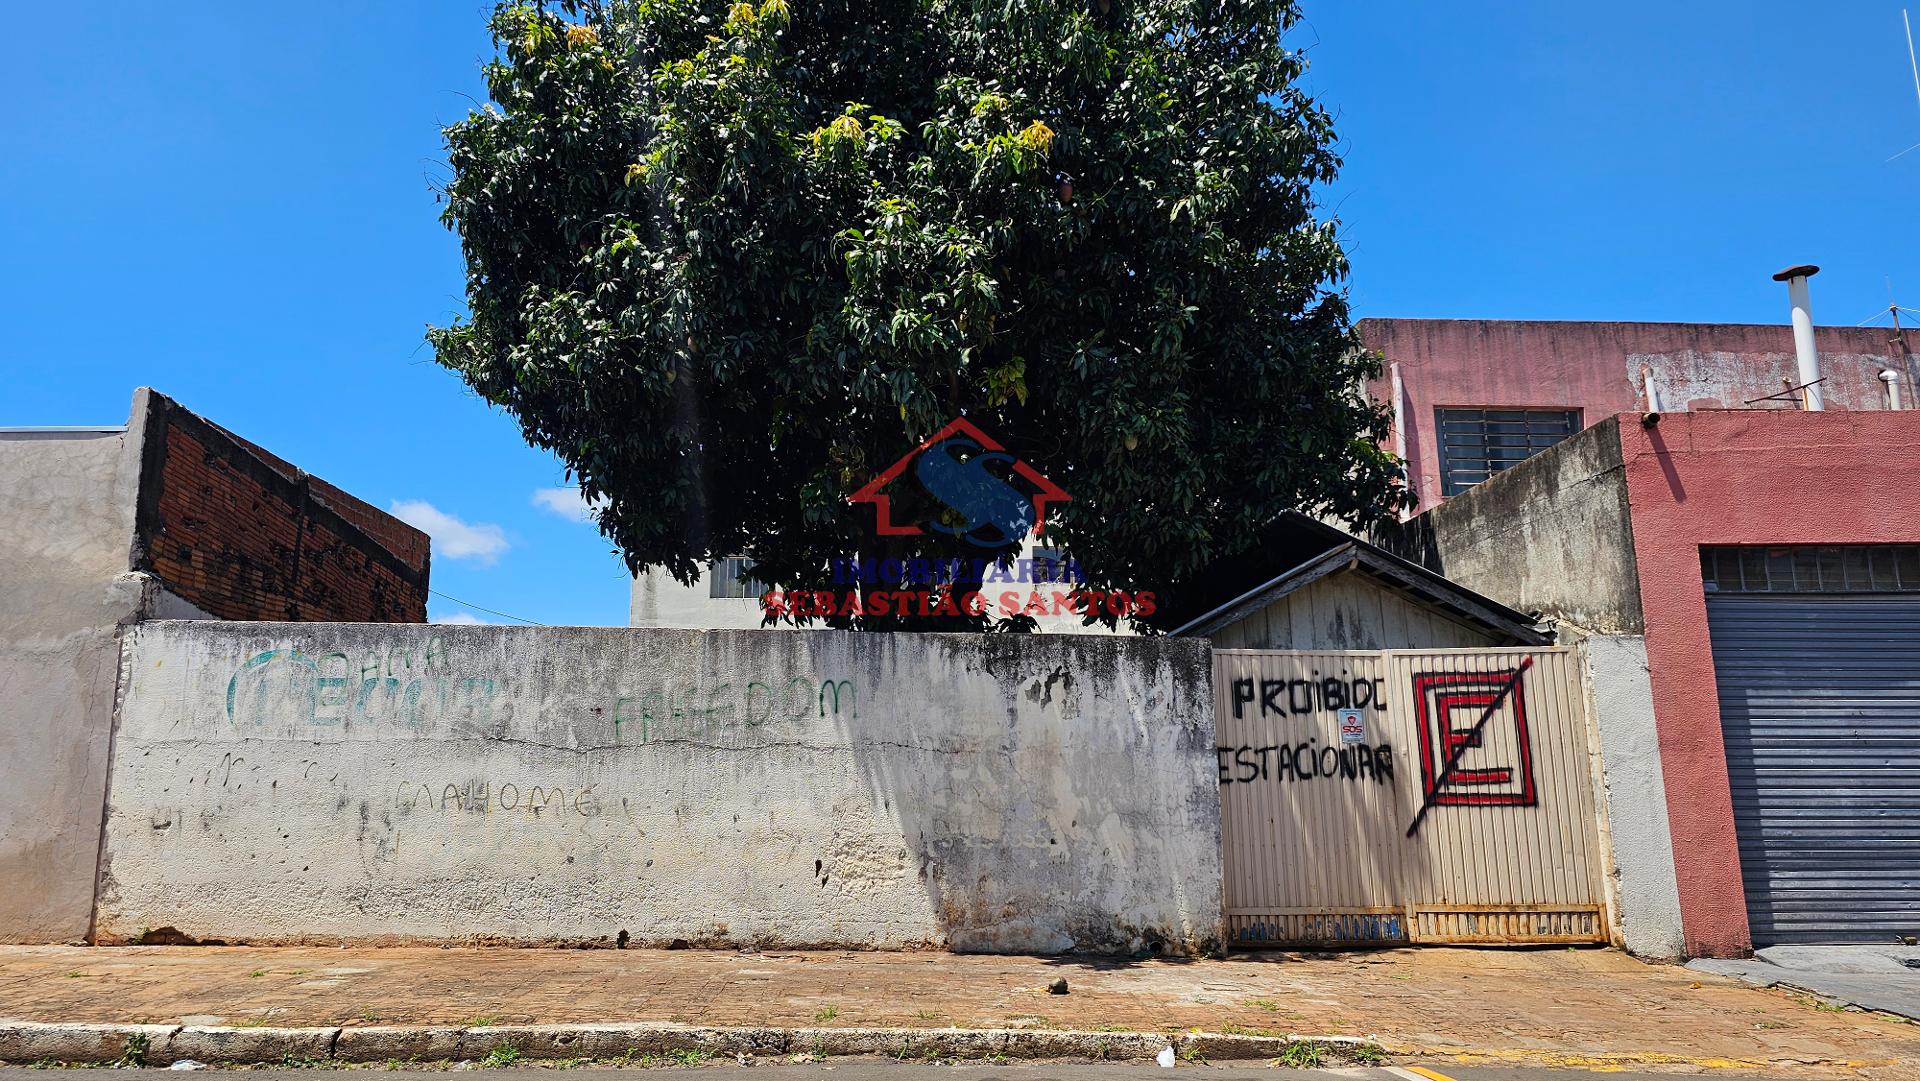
1456	714
1303	697
416	689
1306	761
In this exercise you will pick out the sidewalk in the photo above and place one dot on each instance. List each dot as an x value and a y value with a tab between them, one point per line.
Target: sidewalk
1882	978
1548	1007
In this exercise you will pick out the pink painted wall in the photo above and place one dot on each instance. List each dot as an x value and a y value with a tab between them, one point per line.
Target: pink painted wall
1740	477
1595	368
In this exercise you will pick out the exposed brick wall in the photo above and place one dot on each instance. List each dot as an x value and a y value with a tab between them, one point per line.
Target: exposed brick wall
245	535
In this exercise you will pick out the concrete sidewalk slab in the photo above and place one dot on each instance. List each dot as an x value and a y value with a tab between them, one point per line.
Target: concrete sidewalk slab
1871	977
1594	1008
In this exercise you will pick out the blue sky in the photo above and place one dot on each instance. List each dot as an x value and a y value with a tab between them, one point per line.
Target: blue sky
234	204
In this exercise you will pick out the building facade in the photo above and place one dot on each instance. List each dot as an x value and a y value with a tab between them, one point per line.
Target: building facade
1471	397
1761	568
166	517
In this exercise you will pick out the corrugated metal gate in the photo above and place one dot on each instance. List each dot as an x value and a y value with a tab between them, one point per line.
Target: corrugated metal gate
1407	796
1820	710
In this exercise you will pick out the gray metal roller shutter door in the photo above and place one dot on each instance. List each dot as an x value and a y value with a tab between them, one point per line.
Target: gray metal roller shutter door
1820	709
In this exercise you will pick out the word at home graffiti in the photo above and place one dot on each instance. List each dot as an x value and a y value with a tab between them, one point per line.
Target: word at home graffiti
481	797
1459	765
1308	761
1300	697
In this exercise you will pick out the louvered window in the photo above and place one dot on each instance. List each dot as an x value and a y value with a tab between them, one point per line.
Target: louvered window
1477	443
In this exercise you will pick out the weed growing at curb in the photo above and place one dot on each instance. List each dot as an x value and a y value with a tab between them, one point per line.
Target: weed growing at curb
136	1051
684	1056
481	1020
929	1053
1302	1055
826	1013
500	1055
1366	1054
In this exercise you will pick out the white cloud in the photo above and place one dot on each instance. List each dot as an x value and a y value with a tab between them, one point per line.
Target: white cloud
568	503
452	538
463	619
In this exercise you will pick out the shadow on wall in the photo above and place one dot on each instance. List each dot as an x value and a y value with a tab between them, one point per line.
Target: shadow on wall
1078	809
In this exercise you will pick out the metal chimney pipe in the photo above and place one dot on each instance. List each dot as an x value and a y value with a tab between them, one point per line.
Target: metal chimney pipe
1809	358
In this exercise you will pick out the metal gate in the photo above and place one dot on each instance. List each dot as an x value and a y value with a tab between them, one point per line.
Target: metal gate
1820	710
1407	796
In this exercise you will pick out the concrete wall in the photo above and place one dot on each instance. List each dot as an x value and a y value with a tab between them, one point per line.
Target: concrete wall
1596	367
1551	535
66	531
1646	894
100	528
358	782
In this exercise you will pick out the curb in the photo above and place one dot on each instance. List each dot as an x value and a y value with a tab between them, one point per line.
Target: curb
27	1042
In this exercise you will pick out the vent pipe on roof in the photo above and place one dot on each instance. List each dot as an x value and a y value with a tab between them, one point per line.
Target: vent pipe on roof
1892	379
1809	358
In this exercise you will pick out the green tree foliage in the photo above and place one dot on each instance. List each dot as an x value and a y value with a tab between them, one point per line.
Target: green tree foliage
729	261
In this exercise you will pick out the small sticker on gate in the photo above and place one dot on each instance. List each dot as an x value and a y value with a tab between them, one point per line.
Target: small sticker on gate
1353	726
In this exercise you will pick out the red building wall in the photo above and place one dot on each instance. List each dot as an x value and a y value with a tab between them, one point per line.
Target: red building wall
1596	368
1732	477
244	535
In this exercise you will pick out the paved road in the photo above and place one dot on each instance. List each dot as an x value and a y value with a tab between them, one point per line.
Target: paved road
849	1070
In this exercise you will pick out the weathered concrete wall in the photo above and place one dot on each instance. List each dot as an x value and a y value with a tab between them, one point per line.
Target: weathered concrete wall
1551	535
1646	891
359	782
66	532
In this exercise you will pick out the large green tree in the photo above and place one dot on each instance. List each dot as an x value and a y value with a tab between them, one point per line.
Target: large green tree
730	260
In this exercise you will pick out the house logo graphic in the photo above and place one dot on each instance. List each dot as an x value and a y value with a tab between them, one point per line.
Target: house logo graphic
994	498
